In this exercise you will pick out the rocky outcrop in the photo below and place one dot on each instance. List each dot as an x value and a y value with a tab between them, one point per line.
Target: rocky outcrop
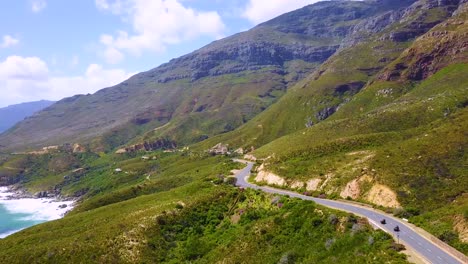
163	144
239	151
462	8
246	56
325	113
270	178
445	44
265	176
68	148
460	225
264	45
313	184
384	196
77	148
353	188
412	19
43	151
250	157
297	184
40	194
219	149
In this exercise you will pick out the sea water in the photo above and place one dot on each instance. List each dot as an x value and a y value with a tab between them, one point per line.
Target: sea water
17	214
13	222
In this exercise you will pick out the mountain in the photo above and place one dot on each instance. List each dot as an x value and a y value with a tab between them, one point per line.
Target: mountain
13	114
357	100
373	44
210	91
382	121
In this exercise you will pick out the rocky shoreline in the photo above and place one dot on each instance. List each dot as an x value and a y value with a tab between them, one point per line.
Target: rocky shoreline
17	192
22	209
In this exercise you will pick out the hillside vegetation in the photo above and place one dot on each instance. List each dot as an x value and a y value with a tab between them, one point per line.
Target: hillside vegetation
357	100
166	219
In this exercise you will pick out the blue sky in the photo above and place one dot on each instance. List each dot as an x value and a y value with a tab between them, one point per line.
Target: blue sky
50	49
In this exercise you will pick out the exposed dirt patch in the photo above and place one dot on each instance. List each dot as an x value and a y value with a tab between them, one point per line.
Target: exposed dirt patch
297	184
353	188
461	226
382	195
312	185
269	177
250	157
235	218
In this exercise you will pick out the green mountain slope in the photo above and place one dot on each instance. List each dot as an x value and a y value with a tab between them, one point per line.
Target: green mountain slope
374	44
210	91
397	142
361	100
198	222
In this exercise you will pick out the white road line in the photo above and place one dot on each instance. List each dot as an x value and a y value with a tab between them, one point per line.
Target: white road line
428	250
439	257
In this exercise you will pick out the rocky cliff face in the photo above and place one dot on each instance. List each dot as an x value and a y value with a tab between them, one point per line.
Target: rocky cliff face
149	146
311	34
437	49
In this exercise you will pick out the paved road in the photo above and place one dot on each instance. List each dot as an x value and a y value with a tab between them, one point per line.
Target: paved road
426	249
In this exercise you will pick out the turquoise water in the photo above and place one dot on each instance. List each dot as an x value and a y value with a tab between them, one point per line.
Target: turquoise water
10	222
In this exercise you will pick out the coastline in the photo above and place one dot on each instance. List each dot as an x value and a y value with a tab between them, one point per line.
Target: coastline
23	210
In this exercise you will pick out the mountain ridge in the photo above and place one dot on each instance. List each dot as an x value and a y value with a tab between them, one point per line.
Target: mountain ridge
267	61
12	114
381	121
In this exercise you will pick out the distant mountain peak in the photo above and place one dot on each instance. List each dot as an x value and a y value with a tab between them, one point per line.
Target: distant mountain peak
13	114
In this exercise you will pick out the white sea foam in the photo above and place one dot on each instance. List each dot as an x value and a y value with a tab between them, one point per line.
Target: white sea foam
3	235
37	209
4	193
44	209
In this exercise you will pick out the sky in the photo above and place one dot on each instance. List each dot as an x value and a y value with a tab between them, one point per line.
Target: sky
51	49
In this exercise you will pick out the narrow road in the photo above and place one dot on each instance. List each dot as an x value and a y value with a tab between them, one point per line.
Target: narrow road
426	249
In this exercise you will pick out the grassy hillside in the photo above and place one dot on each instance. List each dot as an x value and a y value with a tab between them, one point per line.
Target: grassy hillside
200	221
360	100
400	132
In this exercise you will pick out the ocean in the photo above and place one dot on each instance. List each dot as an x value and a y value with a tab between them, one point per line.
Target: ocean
23	213
13	222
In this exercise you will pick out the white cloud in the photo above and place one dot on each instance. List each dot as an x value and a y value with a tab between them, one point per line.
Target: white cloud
155	25
25	79
23	68
38	5
258	11
8	41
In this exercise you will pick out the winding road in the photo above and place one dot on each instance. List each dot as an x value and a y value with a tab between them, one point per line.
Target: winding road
431	252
